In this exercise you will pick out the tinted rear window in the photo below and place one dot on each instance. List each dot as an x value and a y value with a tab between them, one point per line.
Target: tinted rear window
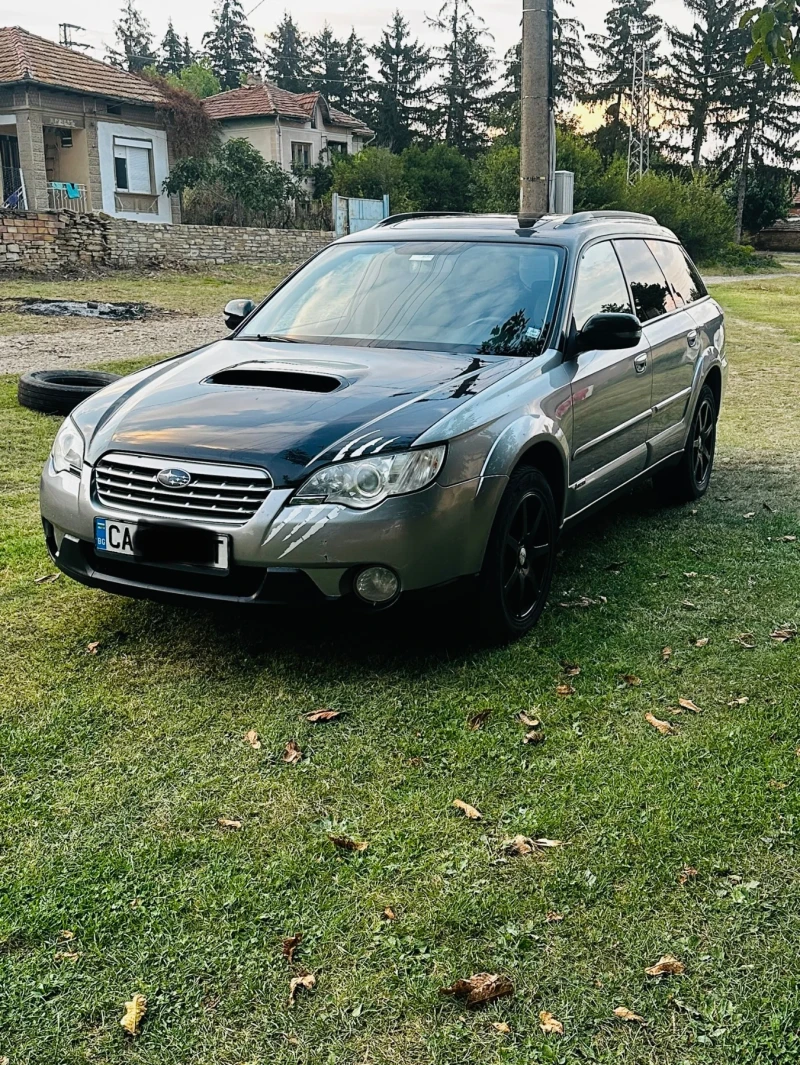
678	270
651	294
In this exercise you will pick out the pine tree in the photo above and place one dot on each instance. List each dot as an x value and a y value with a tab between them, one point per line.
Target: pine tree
402	64
135	40
700	65
326	65
759	121
171	57
188	53
629	26
286	56
354	95
461	96
230	45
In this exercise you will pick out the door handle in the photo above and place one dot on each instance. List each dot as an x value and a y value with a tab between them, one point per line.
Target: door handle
640	362
691	339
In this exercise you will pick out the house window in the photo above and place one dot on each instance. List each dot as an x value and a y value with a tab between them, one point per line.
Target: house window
337	148
301	155
133	165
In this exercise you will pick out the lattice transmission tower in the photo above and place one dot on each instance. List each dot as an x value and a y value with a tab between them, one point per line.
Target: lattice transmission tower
639	136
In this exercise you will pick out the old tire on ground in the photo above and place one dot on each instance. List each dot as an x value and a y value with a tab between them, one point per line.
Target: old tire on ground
518	566
59	391
689	480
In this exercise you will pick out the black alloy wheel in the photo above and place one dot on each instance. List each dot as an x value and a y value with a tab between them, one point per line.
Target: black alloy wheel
518	567
689	480
704	440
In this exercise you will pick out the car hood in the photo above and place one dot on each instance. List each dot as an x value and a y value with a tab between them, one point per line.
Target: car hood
258	403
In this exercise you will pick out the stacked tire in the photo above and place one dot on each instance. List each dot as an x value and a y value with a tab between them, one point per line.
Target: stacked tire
59	391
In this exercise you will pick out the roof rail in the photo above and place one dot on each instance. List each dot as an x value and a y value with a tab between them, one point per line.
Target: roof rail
584	217
420	214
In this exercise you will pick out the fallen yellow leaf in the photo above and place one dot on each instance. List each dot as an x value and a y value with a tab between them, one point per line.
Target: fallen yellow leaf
66	934
553	917
628	1015
480	989
290	945
229	822
549	1024
686	874
565	689
92	647
470	811
305	982
134	1013
666	653
664	727
632	681
667	965
742	700
745	639
292	753
389	914
323	715
534	736
347	844
47	579
526	719
67	955
251	737
501	1027
687	704
519	845
477	721
783	635
702	642
570	669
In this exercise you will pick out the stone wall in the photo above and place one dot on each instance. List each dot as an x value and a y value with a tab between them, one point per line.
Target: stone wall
783	236
49	242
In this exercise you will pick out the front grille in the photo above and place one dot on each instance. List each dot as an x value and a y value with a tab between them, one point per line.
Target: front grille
227	495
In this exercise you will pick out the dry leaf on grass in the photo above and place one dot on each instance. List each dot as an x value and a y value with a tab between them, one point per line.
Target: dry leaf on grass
251	737
229	822
667	965
501	1027
134	1014
749	514
632	681
521	845
741	700
687	605
745	639
66	934
553	917
664	727
690	575
584	601
323	715
778	785
93	647
290	945
666	654
687	704
702	642
565	689
625	1014
67	955
470	811
778	539
530	722
477	721
783	635
305	982
347	844
569	669
480	989
47	579
389	914
292	753
686	874
549	1024
534	736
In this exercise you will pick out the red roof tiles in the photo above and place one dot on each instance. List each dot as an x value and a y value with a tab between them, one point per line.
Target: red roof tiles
24	57
252	101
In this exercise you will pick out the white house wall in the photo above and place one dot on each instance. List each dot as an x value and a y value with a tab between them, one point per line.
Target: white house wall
275	142
106	132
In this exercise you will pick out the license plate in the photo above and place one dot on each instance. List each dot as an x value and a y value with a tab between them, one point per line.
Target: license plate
162	545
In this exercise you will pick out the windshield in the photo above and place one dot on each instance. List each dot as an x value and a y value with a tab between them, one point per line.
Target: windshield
479	297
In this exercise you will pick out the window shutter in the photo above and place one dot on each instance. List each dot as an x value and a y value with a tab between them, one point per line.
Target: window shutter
139	170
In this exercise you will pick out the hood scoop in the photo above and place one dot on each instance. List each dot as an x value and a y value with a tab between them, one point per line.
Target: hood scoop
288	380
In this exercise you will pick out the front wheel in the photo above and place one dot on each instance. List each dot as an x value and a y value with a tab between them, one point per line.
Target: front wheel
691	477
518	567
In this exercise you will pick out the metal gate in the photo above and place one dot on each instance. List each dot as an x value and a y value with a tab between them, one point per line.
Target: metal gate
351	214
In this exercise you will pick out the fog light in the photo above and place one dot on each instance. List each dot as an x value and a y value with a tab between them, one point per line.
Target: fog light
377	584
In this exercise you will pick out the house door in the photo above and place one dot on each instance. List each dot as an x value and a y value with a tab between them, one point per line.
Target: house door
9	166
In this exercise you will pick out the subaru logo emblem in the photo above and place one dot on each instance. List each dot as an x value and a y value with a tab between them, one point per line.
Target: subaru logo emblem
173	478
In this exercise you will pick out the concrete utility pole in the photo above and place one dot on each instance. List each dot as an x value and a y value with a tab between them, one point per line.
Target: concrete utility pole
536	108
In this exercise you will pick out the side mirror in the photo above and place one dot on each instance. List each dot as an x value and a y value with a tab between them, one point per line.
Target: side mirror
606	332
236	311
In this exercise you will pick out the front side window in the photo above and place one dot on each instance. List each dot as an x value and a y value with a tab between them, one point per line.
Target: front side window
301	154
600	288
133	165
678	270
651	293
475	297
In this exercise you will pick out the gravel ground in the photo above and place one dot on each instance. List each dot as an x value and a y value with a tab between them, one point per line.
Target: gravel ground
104	342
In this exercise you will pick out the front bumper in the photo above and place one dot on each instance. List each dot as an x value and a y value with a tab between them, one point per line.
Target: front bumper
287	553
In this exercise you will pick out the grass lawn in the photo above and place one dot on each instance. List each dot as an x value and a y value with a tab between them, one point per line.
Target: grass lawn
116	878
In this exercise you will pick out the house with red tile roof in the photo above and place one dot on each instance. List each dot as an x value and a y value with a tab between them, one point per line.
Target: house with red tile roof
296	130
78	134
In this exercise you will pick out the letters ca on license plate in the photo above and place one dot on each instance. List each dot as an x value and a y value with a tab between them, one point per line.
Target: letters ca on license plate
162	545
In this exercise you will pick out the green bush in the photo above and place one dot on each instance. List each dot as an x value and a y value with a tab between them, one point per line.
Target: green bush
437	178
372	173
768	198
743	259
495	180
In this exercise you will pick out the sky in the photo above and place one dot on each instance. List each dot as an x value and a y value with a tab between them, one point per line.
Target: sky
193	17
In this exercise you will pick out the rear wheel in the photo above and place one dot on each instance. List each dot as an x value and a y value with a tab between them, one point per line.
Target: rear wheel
691	477
518	567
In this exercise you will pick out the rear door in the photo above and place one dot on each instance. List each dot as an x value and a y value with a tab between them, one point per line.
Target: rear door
611	397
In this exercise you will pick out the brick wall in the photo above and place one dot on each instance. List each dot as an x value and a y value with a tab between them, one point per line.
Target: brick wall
783	236
49	242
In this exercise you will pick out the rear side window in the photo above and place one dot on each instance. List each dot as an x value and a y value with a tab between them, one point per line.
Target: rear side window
600	288
651	293
686	282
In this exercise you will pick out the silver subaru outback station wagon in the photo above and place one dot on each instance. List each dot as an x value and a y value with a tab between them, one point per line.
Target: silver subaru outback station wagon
430	400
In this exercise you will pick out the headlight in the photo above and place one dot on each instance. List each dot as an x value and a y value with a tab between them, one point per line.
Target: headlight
370	480
67	453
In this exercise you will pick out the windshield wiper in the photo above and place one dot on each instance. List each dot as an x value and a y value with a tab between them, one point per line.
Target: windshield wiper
276	337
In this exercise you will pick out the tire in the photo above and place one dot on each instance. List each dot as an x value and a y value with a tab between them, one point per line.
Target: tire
59	391
520	556
690	479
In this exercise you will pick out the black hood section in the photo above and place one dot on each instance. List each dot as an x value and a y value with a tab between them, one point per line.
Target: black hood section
216	404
